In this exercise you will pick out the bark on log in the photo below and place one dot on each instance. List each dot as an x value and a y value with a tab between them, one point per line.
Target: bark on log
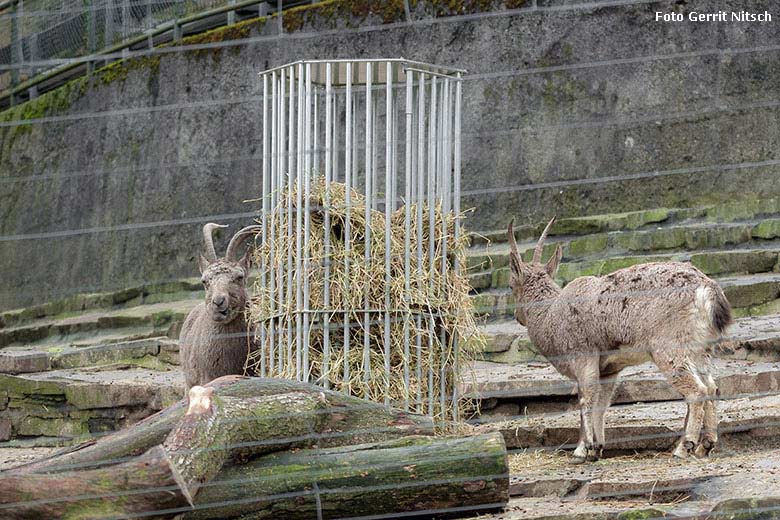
113	491
351	421
216	429
412	474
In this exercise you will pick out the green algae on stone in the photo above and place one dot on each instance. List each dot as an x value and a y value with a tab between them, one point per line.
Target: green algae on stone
767	229
735	262
642	514
764	508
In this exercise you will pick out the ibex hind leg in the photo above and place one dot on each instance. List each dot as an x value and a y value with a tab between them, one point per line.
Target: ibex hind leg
675	363
608	385
709	434
589	385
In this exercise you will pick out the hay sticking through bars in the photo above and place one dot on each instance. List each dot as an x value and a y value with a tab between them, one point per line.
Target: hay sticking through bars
431	311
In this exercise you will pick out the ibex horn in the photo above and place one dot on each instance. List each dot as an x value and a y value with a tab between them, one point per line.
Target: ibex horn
239	239
512	242
540	245
208	240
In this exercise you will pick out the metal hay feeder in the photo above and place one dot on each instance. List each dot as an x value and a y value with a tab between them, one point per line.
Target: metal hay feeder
388	130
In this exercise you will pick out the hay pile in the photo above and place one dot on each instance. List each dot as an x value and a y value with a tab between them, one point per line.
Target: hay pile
433	311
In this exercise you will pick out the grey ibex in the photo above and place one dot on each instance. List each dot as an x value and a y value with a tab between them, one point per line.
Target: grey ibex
213	339
596	326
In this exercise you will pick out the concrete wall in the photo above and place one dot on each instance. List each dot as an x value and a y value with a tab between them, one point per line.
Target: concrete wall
568	108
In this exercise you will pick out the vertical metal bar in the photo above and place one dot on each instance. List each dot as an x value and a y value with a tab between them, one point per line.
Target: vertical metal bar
407	231
335	142
444	168
279	14
125	17
108	29
420	201
389	159
279	174
290	205
456	211
16	45
349	124
367	234
432	133
275	94
231	16
264	223
92	34
326	282
307	125
299	230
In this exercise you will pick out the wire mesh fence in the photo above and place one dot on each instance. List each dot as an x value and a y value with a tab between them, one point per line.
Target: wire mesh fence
36	30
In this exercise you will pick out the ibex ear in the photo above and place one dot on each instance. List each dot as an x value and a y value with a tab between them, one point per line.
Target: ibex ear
555	260
203	263
246	261
516	267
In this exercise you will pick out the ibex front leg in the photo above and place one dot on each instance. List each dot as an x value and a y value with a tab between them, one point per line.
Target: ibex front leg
589	391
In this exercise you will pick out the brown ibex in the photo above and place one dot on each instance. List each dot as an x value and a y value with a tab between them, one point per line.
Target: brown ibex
596	326
213	339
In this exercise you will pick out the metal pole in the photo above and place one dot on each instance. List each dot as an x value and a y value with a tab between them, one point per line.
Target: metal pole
407	230
420	202
389	159
299	231
16	47
231	16
290	184
432	133
307	125
369	204
108	31
456	211
264	223
444	168
326	287
275	116
349	123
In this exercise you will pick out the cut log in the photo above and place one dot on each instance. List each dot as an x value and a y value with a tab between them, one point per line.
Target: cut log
216	429
121	490
413	474
349	421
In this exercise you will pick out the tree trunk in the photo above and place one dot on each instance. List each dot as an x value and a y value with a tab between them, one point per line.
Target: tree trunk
351	421
198	468
413	474
120	490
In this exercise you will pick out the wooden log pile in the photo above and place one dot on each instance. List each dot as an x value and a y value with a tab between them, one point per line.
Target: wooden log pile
263	448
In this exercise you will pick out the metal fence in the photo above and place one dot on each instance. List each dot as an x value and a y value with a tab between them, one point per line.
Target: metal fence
360	202
39	35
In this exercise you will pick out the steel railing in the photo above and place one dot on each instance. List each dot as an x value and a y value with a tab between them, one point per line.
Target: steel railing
44	43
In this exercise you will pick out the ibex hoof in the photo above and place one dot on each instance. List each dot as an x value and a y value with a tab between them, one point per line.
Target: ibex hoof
704	448
684	450
576	459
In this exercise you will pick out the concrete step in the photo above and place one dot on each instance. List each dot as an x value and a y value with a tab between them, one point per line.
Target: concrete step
753	338
684	237
537	384
645	476
644	426
736	211
157	352
713	263
88	328
62	406
161	292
